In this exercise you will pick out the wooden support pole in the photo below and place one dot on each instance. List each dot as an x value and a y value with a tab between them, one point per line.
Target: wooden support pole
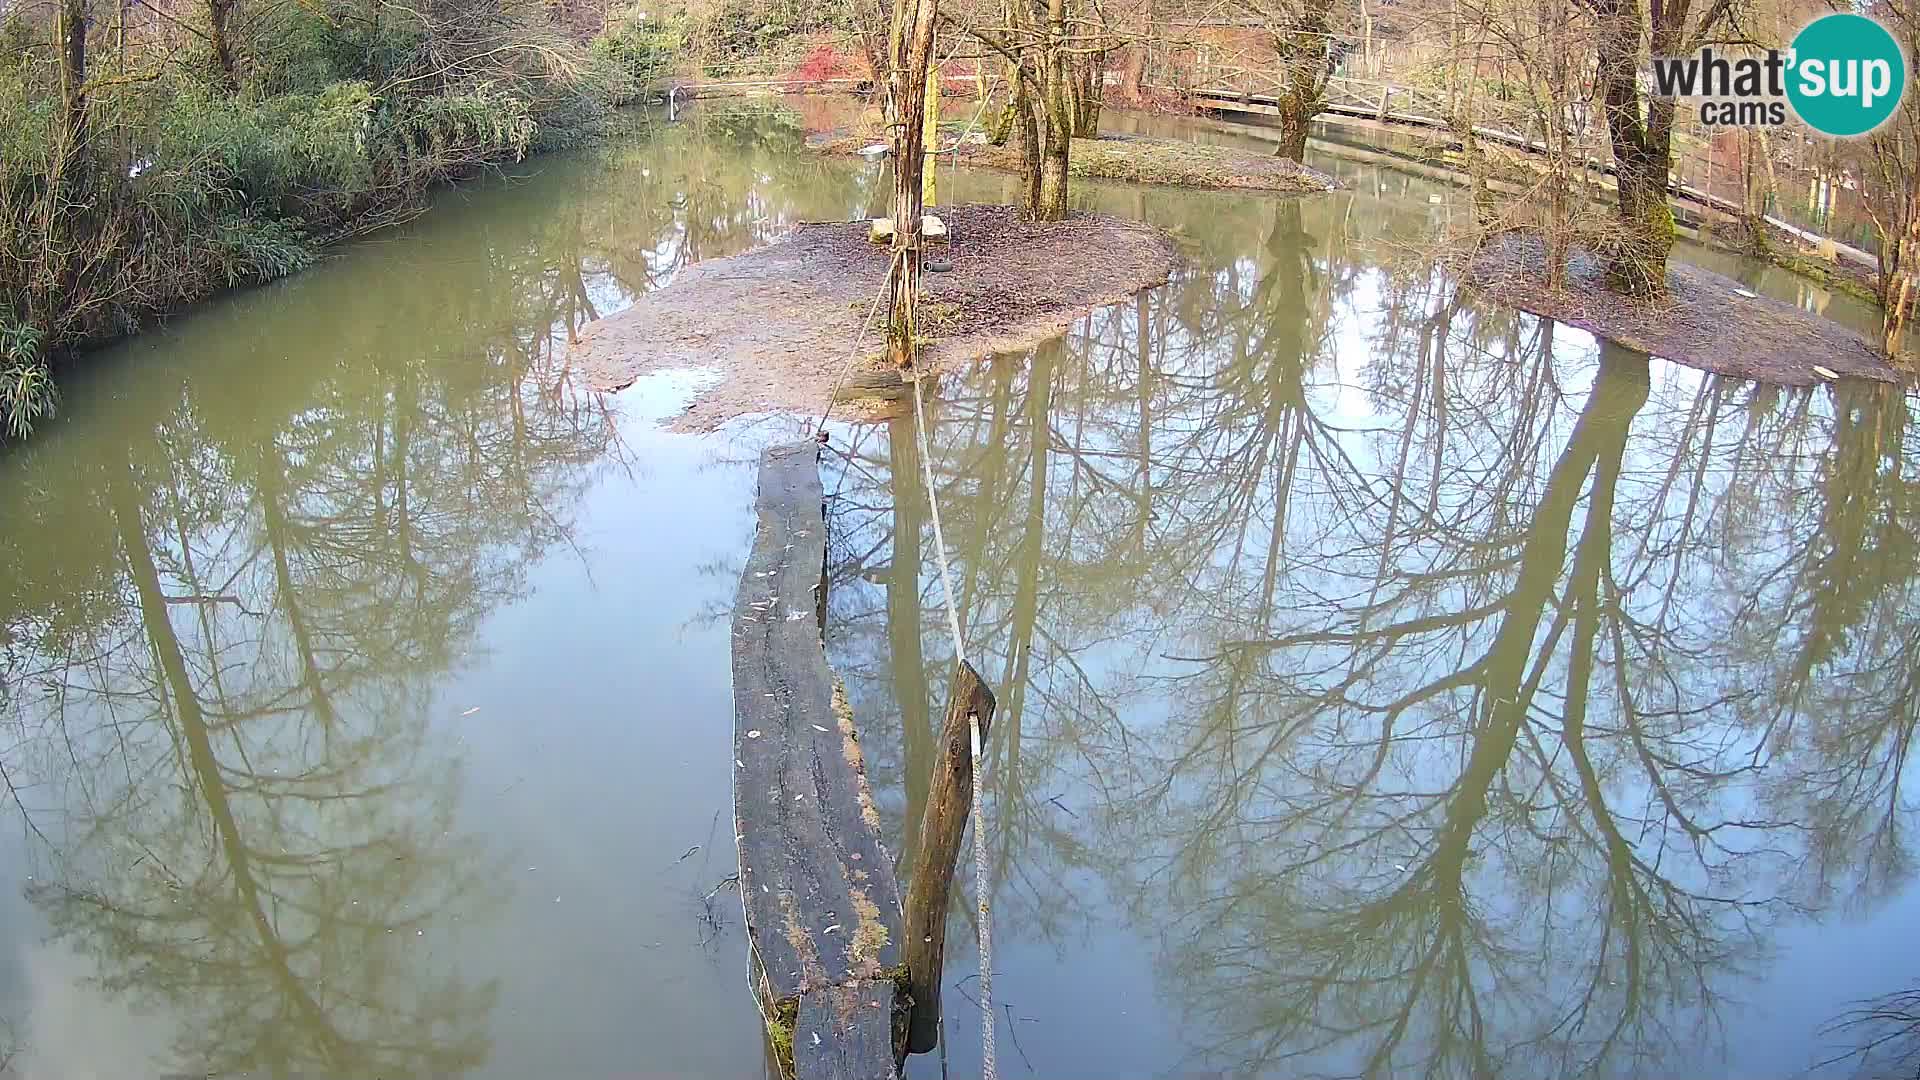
930	139
949	801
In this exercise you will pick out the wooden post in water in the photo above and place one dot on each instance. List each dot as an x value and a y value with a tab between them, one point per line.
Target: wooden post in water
949	800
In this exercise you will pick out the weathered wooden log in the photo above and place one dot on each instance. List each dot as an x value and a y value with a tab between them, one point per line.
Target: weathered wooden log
846	1032
821	903
949	800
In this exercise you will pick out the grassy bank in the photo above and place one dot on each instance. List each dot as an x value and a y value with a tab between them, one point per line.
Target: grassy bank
1135	158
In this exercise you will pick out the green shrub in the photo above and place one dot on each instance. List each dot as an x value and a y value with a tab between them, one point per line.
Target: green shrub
215	151
738	37
645	50
440	137
346	112
27	391
308	51
250	251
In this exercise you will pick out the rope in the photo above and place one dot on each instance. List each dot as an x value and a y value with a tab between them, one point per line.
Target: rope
981	881
939	536
981	875
853	354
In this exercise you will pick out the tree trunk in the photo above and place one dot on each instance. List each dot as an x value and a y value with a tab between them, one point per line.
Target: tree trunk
1304	48
930	139
1559	238
1055	118
1897	272
1642	154
1133	77
1009	118
219	13
1031	148
1051	204
1089	96
1293	133
72	20
1756	190
913	50
1369	62
66	210
1639	263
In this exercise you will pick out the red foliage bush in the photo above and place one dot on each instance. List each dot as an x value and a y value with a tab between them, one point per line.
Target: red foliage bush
822	63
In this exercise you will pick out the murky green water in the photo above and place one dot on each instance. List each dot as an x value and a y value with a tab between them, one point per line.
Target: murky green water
1388	683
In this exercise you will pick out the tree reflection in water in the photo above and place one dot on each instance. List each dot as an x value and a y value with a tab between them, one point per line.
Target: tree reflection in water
252	799
1434	691
227	620
1445	695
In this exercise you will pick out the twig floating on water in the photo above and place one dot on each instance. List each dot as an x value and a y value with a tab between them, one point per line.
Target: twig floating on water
1014	1030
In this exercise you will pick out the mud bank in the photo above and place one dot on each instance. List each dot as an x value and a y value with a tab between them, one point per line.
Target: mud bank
779	323
1706	320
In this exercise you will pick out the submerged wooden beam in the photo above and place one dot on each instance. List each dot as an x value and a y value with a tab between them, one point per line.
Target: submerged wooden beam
822	907
949	801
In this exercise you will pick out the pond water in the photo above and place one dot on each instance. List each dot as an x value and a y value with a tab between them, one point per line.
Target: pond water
1388	682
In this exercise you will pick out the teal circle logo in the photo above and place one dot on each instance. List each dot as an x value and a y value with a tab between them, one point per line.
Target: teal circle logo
1846	75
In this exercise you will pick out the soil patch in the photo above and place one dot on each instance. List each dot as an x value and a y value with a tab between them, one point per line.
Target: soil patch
1706	320
779	322
1136	158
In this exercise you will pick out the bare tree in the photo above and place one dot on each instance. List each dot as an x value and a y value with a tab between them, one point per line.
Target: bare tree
1310	39
1894	196
1641	129
1056	61
1886	1035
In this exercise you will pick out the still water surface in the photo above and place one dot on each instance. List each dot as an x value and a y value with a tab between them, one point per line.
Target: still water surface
1389	683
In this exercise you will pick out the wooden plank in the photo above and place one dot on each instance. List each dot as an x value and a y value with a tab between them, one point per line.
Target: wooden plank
822	906
885	385
949	802
846	1033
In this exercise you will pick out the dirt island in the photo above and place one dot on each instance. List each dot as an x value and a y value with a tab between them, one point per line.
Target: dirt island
1705	320
779	323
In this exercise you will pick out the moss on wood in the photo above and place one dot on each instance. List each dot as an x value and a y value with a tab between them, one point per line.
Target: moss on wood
780	1023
